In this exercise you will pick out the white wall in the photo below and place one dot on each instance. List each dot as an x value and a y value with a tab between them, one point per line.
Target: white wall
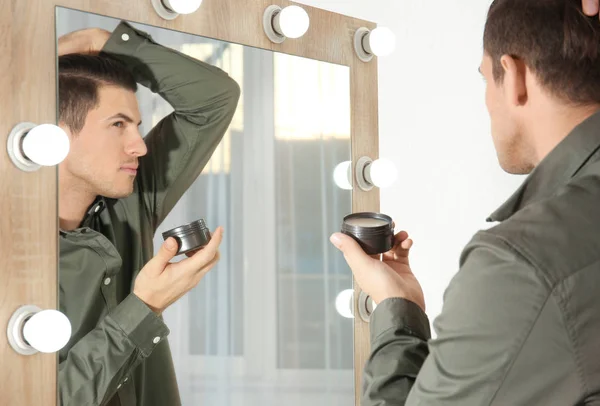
434	126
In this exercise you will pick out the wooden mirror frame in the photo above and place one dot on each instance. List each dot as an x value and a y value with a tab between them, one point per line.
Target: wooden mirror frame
28	200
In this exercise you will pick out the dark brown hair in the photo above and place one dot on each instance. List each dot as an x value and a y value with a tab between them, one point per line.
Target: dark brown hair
79	78
554	39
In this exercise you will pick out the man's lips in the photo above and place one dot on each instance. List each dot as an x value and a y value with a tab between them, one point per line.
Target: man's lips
132	170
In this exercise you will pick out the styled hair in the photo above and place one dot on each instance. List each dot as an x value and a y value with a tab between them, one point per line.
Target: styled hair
79	78
554	39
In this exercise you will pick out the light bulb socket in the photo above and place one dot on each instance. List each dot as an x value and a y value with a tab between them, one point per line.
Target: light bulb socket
367	173
362	46
189	237
14	332
374	232
277	23
366	306
14	146
166	4
272	25
363	176
163	10
366	43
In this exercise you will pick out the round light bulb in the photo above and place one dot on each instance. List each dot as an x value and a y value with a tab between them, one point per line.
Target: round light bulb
382	41
183	6
47	331
46	145
294	21
383	172
344	303
342	175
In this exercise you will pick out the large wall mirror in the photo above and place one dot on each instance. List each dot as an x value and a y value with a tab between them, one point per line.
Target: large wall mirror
273	322
262	328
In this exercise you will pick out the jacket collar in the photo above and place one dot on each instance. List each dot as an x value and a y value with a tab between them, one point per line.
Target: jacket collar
94	211
91	214
555	171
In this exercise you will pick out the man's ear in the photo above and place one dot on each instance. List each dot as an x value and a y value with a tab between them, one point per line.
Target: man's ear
515	87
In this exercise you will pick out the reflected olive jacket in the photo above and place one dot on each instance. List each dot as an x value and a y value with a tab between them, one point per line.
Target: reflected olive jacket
118	353
520	323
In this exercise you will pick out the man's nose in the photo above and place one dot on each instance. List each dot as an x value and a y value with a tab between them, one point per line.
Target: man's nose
137	147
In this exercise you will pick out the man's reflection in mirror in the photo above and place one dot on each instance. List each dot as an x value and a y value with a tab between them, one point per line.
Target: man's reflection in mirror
115	189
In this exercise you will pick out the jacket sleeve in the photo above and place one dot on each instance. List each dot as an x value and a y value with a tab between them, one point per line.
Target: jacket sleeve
490	308
92	371
399	334
204	99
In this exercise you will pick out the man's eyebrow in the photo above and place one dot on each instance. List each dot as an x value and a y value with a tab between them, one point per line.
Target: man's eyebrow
124	117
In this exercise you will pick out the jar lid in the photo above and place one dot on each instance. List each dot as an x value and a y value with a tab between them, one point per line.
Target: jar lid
193	227
368	223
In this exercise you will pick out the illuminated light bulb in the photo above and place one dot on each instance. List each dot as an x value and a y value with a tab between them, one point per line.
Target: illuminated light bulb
381	41
46	145
342	175
292	22
47	331
381	173
289	22
182	6
344	303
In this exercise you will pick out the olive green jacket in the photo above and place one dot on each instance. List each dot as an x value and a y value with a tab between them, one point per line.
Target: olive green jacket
520	323
118	353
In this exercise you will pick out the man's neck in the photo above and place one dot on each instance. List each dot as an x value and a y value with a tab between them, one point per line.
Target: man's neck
73	202
554	124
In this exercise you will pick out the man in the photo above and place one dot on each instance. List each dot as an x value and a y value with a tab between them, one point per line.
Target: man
521	319
115	188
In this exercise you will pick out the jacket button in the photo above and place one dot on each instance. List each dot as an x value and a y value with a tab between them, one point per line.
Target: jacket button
107	281
125	37
156	340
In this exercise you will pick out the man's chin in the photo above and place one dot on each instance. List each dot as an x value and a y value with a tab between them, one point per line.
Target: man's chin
119	194
515	167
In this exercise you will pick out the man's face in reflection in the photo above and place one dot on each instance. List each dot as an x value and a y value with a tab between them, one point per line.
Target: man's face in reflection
104	155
